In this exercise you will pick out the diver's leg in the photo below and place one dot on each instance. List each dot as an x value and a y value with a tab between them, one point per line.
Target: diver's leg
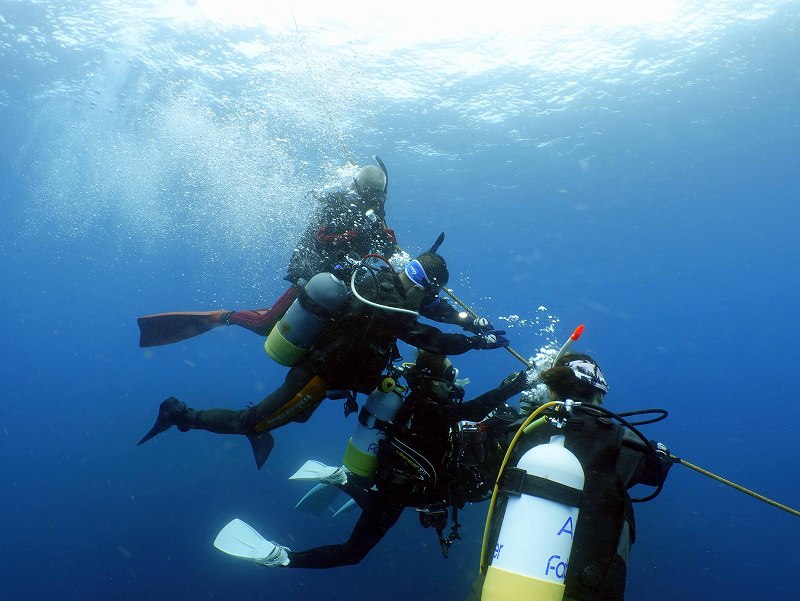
371	527
300	393
261	321
291	398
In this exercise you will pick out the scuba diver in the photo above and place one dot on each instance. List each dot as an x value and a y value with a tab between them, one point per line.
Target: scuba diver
416	467
346	226
337	341
613	459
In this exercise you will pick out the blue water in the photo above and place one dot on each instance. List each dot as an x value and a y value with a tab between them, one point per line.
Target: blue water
633	172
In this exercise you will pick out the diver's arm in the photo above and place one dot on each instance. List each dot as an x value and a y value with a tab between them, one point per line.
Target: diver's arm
439	309
442	311
638	465
435	341
478	408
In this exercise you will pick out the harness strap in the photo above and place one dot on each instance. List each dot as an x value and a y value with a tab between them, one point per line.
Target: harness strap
516	481
312	306
369	420
325	238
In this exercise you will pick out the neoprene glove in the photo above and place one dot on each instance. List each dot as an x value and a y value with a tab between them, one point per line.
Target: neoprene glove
515	383
479	325
489	340
663	452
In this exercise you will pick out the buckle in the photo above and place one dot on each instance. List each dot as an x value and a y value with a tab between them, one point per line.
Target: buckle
513	481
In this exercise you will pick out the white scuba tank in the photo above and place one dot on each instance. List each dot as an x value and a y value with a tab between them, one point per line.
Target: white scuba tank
293	336
361	453
532	553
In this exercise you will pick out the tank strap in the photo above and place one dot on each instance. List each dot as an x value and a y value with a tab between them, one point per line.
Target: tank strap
516	481
369	420
313	307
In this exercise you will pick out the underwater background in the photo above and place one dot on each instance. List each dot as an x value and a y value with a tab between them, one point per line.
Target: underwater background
630	166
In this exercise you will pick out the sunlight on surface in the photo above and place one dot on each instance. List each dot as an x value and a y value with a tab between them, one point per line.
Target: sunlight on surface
443	39
448	39
419	20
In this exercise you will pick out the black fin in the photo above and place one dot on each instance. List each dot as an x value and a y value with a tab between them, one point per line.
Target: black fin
262	446
167	412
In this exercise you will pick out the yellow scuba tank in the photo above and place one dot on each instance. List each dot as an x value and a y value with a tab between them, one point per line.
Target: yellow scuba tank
361	453
532	551
294	335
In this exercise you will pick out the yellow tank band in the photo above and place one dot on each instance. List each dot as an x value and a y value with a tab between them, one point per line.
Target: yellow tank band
281	350
501	585
359	462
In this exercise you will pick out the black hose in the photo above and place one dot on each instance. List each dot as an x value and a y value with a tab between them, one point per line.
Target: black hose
661	414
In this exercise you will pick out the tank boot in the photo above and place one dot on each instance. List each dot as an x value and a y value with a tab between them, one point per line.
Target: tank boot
171	412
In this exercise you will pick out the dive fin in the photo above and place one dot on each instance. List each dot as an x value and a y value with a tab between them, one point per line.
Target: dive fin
319	500
166	328
314	470
168	411
262	446
241	540
349	506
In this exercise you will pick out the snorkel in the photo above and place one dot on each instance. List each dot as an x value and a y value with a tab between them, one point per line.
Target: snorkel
385	172
437	244
568	344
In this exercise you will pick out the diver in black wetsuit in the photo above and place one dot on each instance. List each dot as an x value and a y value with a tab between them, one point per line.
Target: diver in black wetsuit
417	465
351	354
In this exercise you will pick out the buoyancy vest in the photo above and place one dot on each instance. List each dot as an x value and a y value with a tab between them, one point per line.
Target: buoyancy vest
419	455
357	347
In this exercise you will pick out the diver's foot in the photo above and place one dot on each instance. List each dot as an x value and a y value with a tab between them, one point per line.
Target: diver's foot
337	477
277	556
168	415
317	471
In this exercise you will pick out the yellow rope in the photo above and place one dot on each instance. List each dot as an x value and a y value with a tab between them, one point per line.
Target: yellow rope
737	487
476	316
511	446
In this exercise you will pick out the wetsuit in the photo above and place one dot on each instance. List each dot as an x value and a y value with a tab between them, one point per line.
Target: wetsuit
339	229
428	437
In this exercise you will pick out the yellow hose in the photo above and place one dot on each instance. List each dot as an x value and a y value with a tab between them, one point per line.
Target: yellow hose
511	447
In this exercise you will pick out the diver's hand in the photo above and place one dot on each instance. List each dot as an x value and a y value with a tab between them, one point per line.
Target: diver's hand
515	383
662	452
490	340
478	325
